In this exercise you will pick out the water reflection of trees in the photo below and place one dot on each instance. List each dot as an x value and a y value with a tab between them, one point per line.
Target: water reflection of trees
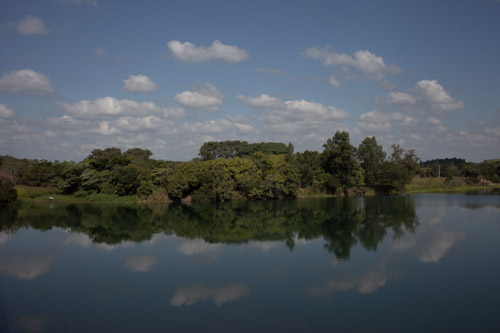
342	222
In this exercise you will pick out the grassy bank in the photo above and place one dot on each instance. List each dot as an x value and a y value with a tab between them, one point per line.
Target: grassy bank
440	185
32	194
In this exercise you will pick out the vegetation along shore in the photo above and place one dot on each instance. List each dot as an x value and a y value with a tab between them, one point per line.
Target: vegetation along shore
238	170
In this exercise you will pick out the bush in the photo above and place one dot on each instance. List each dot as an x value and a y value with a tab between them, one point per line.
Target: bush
8	193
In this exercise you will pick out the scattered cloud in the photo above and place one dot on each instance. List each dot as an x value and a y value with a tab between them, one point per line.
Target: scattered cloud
192	295
32	25
203	96
105	129
334	82
433	94
399	97
109	106
26	82
189	52
139	84
367	63
263	101
5	112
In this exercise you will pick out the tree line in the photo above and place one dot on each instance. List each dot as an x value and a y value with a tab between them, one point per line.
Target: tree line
230	170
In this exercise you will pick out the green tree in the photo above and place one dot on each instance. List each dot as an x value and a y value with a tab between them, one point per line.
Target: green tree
8	193
338	159
372	156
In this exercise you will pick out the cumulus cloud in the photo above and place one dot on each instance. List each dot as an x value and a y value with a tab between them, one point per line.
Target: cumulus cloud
5	112
263	101
140	263
32	25
399	97
433	94
203	96
376	121
334	82
277	110
105	129
139	84
26	82
189	52
109	106
433	120
369	64
192	295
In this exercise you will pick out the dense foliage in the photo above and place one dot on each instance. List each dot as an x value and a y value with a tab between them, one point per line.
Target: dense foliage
231	170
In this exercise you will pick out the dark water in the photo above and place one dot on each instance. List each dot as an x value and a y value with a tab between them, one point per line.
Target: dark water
421	263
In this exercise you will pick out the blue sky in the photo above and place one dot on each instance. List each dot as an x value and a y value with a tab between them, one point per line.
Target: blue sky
169	75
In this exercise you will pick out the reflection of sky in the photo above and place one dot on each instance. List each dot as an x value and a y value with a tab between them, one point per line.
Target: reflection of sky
201	249
26	268
191	295
140	263
438	244
4	237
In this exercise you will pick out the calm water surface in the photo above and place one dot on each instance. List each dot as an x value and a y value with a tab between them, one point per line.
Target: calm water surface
419	263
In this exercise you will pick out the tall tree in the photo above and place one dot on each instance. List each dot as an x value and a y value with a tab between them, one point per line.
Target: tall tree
372	156
338	159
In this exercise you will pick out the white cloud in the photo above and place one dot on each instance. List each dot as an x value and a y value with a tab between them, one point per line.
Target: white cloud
26	81
191	295
374	121
262	101
205	96
433	120
189	52
109	106
139	84
219	126
278	111
244	128
141	123
334	82
140	263
399	97
314	109
5	112
432	93
173	112
105	129
32	25
371	65
377	121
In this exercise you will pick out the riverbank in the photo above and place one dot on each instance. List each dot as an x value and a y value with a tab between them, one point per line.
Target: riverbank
32	194
440	185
